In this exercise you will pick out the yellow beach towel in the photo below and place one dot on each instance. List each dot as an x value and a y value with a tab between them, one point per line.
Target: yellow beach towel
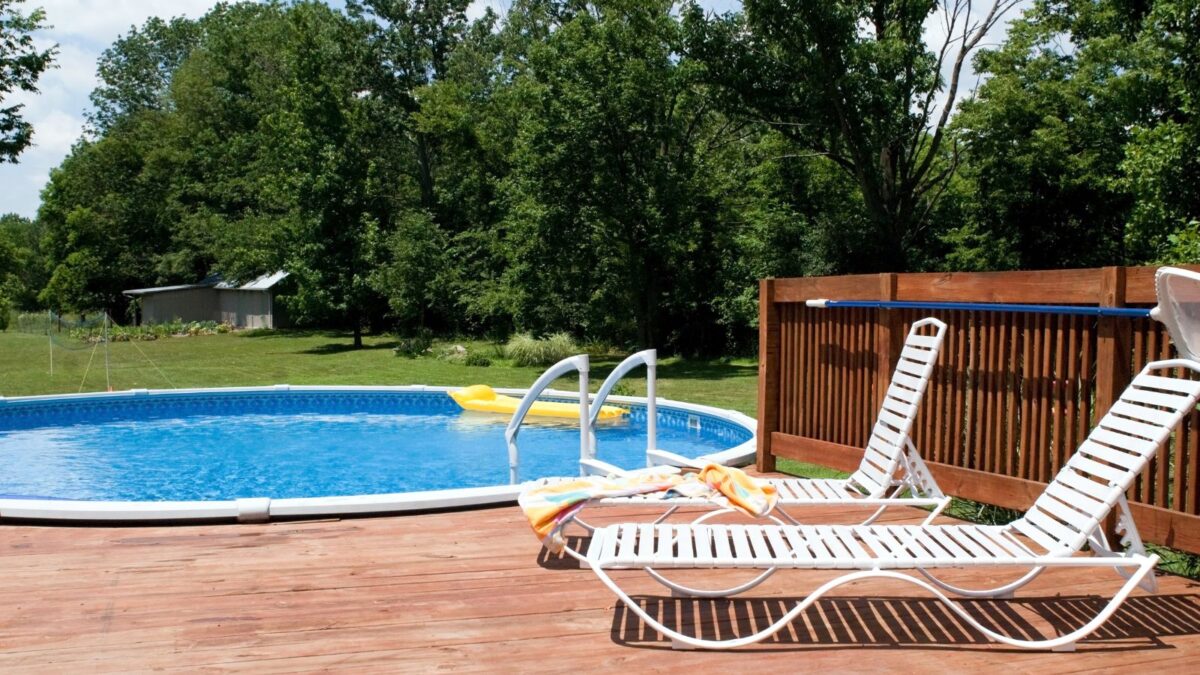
549	507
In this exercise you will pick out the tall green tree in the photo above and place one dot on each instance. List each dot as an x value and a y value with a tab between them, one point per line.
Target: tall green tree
855	83
411	43
105	226
608	231
1079	147
21	64
135	72
22	272
281	169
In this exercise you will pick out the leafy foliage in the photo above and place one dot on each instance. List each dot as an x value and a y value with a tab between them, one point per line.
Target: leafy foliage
21	64
618	171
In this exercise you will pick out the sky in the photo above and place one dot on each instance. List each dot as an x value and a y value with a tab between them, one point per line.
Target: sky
83	29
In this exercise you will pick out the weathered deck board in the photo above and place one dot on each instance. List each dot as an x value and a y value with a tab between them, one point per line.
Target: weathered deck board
473	591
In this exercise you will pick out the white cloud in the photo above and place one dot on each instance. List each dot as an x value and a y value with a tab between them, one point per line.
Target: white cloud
82	29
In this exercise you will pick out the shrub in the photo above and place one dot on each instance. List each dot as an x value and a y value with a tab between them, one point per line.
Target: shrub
118	333
414	345
559	346
477	360
526	350
454	354
623	388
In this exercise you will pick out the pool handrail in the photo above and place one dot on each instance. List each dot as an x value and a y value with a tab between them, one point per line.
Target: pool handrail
578	362
649	358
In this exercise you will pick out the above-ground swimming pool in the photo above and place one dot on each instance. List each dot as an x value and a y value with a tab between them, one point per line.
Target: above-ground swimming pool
257	453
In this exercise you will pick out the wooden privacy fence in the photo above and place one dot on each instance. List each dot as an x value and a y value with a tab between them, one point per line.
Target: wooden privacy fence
1012	396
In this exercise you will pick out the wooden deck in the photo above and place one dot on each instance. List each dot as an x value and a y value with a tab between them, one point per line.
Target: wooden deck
472	590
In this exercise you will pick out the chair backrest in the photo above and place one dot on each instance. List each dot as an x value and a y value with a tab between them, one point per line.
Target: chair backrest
910	379
1111	457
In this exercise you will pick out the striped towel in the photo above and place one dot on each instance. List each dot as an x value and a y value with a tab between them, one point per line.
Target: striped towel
548	507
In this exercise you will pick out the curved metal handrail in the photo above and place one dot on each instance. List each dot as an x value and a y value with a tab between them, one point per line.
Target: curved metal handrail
579	363
649	358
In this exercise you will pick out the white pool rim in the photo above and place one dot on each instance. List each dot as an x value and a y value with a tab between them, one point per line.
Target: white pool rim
261	509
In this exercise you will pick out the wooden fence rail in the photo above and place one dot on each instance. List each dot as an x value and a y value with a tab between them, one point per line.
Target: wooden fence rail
1012	395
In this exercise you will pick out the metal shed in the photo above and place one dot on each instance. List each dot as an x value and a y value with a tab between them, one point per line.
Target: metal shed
248	305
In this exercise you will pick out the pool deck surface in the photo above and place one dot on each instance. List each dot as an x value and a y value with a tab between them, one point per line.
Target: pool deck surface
473	591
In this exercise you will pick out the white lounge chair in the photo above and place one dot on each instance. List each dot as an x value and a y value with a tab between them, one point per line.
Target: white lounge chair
1066	516
891	467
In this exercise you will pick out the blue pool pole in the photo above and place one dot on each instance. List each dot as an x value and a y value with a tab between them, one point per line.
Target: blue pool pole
651	404
585	420
1076	310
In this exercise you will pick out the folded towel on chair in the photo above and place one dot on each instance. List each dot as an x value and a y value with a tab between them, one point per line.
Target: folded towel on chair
548	507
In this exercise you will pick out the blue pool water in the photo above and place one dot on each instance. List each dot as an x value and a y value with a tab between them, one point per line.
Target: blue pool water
301	444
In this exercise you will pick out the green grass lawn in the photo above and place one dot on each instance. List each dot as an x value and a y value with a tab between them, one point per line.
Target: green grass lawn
320	357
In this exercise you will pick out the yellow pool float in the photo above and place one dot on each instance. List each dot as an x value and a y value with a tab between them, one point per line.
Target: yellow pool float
482	398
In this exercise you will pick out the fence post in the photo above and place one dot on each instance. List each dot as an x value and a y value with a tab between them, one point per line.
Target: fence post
889	337
768	373
1113	343
1114	337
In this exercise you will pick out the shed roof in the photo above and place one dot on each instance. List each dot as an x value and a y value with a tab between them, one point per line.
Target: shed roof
261	283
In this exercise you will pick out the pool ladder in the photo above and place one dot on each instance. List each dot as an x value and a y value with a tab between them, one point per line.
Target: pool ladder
589	410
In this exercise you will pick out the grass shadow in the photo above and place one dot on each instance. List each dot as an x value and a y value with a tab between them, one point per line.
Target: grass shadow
343	347
262	333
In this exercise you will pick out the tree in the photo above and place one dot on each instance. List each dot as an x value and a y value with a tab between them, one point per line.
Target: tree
280	164
107	219
1079	148
22	273
608	230
1161	167
412	42
852	82
21	64
136	71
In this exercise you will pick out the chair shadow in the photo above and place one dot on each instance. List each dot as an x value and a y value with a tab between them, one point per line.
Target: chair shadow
910	623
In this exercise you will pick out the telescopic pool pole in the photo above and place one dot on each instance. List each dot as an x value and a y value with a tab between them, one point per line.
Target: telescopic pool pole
107	378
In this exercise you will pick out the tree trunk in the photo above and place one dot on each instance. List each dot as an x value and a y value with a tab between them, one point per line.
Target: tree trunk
425	174
356	318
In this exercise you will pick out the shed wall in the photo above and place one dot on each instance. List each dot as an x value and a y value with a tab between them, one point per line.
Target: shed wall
241	309
244	309
193	304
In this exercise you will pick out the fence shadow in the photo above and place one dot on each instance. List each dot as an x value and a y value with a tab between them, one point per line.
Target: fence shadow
908	623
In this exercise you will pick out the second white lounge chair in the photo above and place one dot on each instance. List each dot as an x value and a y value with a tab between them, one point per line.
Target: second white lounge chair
891	473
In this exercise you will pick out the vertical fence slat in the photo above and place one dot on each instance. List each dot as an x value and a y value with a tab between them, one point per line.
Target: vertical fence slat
956	448
1026	396
1010	387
